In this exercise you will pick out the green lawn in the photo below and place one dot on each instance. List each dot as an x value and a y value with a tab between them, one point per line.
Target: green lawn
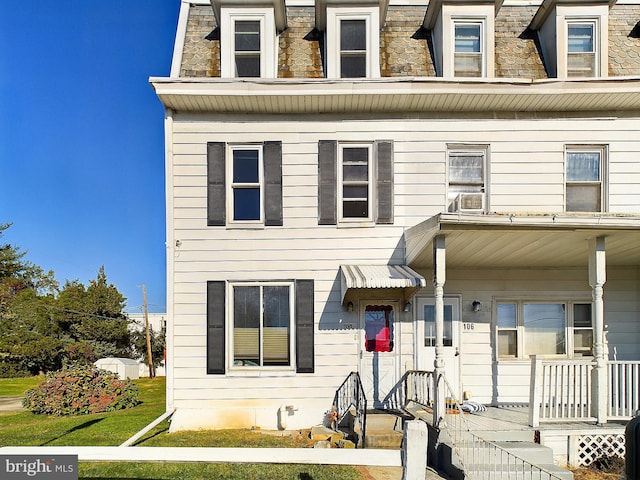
13	387
111	429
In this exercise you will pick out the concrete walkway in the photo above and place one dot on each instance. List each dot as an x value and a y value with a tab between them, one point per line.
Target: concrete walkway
10	404
393	473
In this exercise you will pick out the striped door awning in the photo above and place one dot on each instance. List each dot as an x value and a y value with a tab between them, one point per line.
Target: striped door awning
379	276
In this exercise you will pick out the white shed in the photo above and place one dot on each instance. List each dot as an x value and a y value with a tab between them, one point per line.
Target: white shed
124	367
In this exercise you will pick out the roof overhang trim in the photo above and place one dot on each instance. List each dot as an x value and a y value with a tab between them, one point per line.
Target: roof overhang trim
378	277
435	6
279	9
321	9
548	6
388	95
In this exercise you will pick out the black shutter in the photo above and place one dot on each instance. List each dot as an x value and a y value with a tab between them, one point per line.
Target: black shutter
273	183
216	195
327	182
215	328
384	181
304	327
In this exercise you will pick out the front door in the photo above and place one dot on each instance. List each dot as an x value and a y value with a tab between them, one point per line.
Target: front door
426	338
378	352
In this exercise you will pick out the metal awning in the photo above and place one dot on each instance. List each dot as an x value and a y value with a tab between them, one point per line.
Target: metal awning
379	276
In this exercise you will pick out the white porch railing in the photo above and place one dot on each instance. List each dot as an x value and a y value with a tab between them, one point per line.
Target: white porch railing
624	390
560	390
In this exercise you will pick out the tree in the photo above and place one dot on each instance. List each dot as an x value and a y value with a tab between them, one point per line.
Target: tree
158	345
93	320
42	327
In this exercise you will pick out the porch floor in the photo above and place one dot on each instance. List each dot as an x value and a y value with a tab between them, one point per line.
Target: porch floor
512	423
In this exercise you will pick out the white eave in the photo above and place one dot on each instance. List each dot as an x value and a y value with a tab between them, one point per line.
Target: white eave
389	95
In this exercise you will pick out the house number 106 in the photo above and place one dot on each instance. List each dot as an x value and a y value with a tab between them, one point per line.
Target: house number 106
469	326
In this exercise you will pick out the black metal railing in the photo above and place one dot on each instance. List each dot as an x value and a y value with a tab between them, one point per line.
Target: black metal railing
350	405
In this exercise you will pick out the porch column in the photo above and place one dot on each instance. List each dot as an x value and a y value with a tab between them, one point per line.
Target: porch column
597	279
439	277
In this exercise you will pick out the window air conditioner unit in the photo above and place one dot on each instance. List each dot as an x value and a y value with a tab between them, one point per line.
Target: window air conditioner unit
469	203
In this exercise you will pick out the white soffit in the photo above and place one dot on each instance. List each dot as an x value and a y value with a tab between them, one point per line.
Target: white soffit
411	94
379	276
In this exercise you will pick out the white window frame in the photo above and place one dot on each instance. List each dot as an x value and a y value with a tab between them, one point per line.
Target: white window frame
239	369
520	328
445	29
370	187
482	53
596	14
231	185
371	17
594	23
602	150
460	149
268	43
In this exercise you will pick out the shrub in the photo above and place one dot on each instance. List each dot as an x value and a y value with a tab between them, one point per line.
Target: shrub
81	389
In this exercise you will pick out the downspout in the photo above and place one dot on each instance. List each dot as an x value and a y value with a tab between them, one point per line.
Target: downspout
171	247
142	432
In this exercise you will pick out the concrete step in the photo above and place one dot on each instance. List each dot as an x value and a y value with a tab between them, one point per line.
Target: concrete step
507	436
385	439
384	430
383	421
502	466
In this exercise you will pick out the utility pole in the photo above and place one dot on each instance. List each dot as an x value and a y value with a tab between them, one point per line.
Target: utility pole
146	324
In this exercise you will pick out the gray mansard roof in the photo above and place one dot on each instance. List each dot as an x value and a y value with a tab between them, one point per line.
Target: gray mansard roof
404	46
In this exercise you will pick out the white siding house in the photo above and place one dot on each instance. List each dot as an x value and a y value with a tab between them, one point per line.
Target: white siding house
386	186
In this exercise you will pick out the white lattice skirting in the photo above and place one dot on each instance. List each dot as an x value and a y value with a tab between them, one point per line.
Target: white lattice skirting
586	449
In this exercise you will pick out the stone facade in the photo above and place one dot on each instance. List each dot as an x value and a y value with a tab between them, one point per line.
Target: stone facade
624	40
517	52
405	48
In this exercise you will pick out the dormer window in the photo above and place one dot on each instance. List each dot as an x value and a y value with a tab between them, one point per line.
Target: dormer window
352	42
353	48
573	37
250	47
247	48
468	49
463	38
581	49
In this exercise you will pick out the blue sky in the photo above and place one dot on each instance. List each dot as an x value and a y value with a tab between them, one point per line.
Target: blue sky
81	138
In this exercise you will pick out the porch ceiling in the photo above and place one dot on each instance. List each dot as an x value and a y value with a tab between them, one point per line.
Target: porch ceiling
523	241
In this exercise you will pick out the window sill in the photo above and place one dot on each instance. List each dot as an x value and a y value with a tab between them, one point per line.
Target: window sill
256	372
365	224
245	226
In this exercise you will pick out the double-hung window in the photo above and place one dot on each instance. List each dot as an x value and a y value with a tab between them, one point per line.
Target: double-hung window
355	185
585	167
352	42
467	174
245	195
248	48
468	54
244	184
582	48
353	48
540	327
262	324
